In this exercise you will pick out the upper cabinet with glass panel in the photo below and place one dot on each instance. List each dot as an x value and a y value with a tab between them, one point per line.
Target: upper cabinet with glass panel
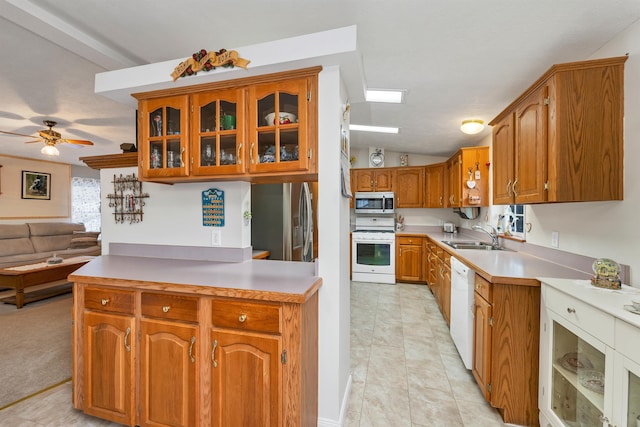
263	127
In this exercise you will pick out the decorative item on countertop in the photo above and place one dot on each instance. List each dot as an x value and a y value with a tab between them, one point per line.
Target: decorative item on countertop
399	222
203	60
607	274
404	160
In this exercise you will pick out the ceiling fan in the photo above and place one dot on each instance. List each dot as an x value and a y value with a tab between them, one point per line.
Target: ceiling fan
50	137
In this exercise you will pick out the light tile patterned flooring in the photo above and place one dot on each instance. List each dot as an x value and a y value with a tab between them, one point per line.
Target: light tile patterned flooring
405	370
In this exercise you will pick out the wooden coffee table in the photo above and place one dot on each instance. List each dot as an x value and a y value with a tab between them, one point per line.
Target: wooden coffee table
24	276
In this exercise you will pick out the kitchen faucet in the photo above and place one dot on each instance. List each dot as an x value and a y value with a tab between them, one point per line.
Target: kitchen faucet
493	234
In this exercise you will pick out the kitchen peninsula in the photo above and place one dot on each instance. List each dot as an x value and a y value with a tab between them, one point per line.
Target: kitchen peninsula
183	342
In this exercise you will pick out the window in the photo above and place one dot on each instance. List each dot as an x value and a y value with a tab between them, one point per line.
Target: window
514	220
85	202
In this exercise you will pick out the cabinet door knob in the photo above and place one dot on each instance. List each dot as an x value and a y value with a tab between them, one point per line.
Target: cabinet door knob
513	188
509	188
193	341
242	318
238	156
165	309
104	301
571	310
126	340
251	153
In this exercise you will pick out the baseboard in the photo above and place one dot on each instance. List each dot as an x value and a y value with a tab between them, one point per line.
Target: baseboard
324	422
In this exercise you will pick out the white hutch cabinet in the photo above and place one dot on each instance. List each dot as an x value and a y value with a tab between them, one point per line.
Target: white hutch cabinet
589	355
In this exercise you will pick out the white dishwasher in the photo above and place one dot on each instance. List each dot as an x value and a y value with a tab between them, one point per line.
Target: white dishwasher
461	320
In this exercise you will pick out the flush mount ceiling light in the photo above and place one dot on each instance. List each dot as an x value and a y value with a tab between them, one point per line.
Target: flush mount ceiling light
472	127
391	96
381	129
50	150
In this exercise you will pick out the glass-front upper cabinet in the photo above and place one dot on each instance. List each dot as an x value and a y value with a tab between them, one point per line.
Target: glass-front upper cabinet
163	136
278	126
217	132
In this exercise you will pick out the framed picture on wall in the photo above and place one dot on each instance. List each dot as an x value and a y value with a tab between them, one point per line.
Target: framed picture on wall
36	185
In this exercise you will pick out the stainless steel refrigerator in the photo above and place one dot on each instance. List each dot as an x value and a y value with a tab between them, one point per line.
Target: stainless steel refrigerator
282	220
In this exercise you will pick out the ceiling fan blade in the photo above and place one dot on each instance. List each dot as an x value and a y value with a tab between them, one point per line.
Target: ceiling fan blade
31	142
17	134
76	141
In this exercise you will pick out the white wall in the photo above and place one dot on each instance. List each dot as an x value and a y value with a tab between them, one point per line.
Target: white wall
333	247
173	214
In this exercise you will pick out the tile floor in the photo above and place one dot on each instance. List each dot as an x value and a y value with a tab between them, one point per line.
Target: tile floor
405	370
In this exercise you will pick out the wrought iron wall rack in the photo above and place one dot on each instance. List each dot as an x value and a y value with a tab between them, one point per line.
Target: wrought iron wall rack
127	199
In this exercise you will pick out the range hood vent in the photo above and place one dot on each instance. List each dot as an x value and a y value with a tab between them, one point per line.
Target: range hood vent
467	213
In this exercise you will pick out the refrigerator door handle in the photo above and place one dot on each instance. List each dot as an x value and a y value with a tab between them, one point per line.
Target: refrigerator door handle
308	228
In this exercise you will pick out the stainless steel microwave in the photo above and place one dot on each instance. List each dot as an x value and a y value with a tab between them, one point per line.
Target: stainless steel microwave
372	202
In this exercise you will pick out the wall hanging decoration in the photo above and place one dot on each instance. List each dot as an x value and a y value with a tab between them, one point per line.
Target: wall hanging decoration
36	185
127	199
207	61
213	208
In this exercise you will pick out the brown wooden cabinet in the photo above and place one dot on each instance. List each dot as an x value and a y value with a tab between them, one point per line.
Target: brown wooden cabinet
109	392
198	360
370	179
409	259
218	127
164	137
482	335
434	186
168	360
409	187
567	136
255	129
107	346
506	347
467	178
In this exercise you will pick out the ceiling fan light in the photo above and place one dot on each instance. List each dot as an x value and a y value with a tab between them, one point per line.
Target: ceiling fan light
50	150
471	127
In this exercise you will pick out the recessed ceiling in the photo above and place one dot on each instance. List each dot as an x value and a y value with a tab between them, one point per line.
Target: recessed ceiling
455	59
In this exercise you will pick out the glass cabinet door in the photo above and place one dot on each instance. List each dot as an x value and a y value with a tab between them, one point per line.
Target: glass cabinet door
579	369
278	126
218	132
629	391
163	136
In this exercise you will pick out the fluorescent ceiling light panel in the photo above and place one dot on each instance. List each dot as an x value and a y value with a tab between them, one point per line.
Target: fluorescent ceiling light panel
392	96
381	129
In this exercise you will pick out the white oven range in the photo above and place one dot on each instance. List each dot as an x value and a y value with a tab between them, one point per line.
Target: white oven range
374	249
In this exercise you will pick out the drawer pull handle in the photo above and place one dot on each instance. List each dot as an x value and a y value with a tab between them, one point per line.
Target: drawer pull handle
166	308
126	338
104	301
213	353
193	341
571	310
242	318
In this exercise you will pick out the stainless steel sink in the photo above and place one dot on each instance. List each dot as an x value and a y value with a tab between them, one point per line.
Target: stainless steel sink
472	245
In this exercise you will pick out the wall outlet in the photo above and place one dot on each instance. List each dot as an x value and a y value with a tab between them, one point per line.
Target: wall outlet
216	237
554	238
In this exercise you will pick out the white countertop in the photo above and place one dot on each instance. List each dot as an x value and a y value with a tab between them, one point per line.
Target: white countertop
611	301
258	279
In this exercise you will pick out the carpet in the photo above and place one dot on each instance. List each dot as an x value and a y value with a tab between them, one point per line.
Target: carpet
35	344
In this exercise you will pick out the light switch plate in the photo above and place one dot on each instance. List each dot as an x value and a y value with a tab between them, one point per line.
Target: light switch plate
216	237
554	239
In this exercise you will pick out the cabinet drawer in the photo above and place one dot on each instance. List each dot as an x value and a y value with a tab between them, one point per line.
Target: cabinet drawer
483	288
245	315
110	300
168	306
409	240
627	339
598	323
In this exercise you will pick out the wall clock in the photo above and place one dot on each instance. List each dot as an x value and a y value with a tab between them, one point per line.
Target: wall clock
377	158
